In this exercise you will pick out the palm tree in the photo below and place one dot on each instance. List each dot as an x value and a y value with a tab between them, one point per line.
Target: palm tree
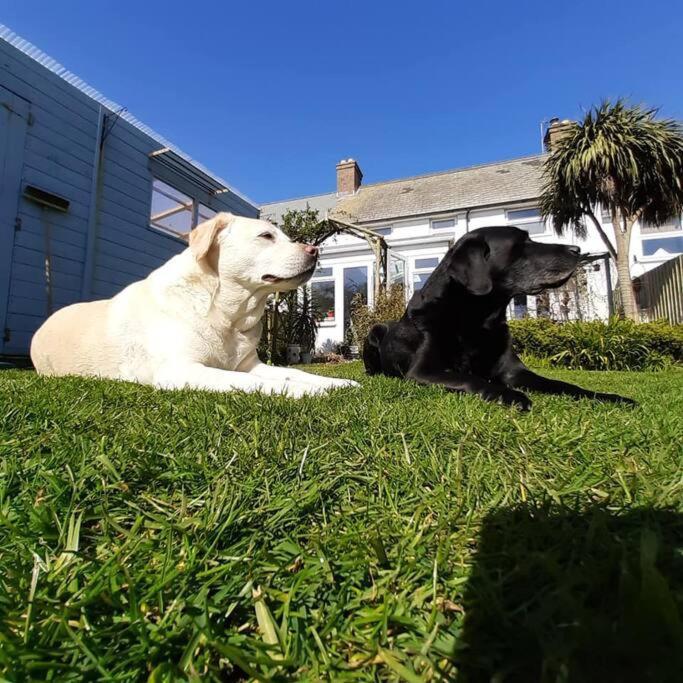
621	158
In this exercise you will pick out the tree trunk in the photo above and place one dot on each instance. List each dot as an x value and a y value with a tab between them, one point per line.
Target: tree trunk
622	236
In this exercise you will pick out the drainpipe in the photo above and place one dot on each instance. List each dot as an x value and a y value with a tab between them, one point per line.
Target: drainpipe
95	190
467	220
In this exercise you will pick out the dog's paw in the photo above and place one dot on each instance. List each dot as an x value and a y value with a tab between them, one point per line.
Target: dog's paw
516	399
301	390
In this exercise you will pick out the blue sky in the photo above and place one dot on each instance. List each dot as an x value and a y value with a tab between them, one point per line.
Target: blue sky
271	95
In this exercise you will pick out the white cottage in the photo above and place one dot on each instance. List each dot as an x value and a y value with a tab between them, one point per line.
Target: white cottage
421	216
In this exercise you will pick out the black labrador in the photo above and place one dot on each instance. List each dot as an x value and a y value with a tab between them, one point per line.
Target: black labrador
454	331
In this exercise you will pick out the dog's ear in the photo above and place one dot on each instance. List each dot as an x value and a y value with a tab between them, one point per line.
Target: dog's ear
203	237
471	268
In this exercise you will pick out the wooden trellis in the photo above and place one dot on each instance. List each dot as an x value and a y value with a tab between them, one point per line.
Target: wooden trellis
334	226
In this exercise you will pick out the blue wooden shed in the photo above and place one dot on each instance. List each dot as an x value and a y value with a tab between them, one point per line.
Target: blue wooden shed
91	199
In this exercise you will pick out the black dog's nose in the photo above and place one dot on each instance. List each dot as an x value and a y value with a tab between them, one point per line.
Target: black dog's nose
574	250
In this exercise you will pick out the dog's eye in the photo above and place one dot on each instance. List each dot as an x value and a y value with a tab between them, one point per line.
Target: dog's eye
267	236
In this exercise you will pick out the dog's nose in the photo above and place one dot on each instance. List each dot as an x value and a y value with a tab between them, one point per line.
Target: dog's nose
574	249
310	249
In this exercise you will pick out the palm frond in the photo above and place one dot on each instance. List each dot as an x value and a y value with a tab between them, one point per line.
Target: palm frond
620	157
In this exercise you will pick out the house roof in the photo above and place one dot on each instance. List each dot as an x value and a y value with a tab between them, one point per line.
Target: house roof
503	182
55	67
320	202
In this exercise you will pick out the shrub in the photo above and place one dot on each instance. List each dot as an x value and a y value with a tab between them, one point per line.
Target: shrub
595	345
390	305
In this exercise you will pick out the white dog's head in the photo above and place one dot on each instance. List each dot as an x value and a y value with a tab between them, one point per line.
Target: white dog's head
252	252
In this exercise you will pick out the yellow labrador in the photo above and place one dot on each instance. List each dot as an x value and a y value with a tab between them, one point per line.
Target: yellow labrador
194	322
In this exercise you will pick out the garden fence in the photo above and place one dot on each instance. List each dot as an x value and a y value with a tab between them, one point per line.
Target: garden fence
660	292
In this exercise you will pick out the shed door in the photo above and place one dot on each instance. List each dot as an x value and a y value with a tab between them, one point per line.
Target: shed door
14	112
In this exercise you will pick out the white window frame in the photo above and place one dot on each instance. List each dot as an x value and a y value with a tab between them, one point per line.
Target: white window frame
659	236
521	222
194	205
441	219
383	230
414	270
325	322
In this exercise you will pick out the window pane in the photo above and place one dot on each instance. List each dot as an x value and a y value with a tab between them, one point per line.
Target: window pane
669	226
670	245
519	305
533	228
383	231
171	209
322	296
322	272
445	224
523	214
397	271
204	213
432	262
419	279
355	281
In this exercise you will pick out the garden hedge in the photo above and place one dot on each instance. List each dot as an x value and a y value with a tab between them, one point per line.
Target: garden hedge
615	345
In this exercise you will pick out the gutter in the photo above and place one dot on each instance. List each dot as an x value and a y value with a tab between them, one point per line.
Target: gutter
340	249
95	187
442	212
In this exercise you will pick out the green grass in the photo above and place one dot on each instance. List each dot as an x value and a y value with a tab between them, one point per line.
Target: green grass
389	533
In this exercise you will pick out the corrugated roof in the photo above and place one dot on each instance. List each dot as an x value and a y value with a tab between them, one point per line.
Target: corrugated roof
55	67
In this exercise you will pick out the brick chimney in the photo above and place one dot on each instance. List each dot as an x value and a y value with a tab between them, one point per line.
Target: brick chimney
349	177
556	131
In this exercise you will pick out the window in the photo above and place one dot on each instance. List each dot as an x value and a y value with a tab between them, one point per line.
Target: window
419	280
430	263
444	224
204	213
174	212
322	296
519	306
527	219
355	282
672	225
423	268
383	231
397	269
669	245
323	292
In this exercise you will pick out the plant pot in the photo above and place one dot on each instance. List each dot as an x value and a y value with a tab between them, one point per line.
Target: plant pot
306	357
293	354
354	351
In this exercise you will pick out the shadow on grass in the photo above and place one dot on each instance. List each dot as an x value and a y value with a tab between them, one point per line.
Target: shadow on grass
560	596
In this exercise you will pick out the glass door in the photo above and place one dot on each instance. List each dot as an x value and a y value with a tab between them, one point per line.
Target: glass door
398	271
355	286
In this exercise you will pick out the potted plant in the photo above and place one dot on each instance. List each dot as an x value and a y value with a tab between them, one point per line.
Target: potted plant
304	322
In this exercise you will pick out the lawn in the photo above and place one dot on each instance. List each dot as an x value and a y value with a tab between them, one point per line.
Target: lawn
388	533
